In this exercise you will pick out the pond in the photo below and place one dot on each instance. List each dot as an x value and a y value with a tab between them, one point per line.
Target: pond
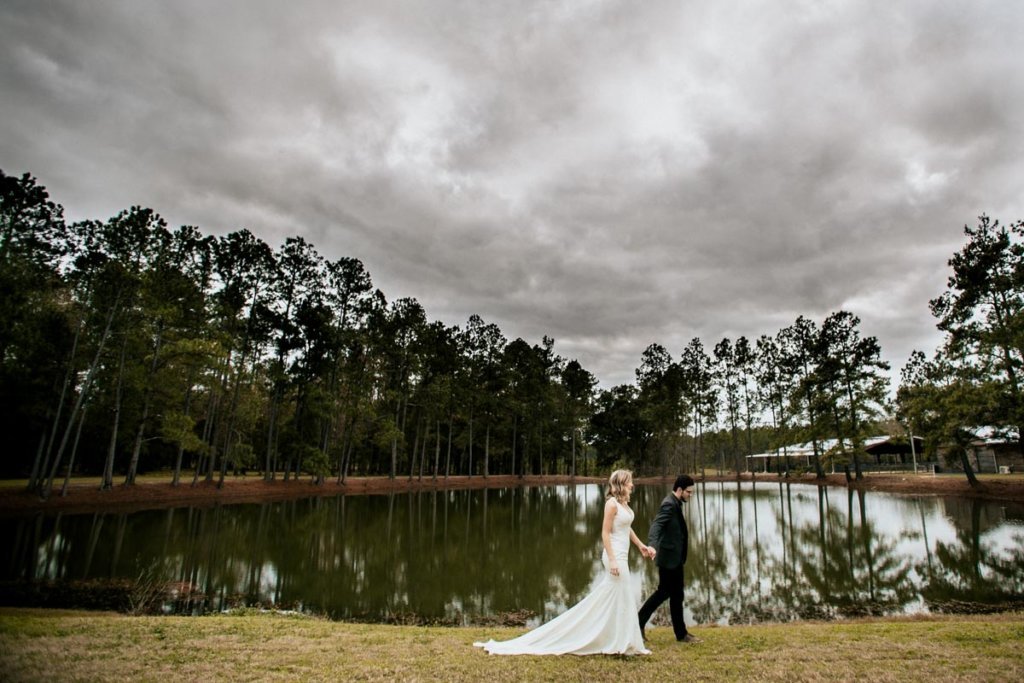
758	552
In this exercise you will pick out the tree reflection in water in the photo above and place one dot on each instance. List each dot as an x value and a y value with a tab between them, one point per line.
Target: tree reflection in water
972	572
770	551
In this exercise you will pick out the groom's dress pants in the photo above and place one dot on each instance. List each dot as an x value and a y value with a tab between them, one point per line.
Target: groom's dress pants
670	587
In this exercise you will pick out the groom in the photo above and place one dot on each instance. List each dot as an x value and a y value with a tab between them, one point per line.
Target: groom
669	536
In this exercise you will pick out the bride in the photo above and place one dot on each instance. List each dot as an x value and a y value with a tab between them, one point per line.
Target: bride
604	622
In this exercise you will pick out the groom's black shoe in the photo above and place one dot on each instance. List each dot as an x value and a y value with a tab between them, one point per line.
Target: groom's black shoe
689	638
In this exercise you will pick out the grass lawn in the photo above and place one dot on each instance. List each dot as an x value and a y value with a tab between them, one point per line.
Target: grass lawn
42	645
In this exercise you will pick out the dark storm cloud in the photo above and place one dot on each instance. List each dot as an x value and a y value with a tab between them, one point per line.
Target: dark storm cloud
611	174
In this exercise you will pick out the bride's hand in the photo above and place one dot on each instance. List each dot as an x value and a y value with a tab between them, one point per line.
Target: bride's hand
614	570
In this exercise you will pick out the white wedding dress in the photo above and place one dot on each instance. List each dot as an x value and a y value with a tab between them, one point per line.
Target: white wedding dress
604	622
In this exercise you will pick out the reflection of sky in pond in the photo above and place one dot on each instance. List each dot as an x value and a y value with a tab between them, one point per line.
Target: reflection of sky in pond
1005	539
764	552
871	556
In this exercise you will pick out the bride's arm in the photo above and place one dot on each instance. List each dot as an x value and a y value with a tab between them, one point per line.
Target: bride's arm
644	550
610	509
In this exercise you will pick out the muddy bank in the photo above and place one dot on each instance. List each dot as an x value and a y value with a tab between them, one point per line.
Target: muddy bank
1008	487
86	497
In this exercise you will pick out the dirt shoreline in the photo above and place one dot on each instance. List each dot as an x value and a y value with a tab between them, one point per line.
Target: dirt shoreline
150	494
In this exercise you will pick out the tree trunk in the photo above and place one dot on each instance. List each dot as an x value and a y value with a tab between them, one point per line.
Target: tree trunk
348	460
696	422
107	482
856	465
352	418
448	456
343	452
272	418
215	420
854	428
224	461
32	480
415	452
515	425
233	408
469	466
423	451
572	472
176	479
133	465
211	413
487	451
737	456
74	451
394	442
39	467
86	387
968	470
437	451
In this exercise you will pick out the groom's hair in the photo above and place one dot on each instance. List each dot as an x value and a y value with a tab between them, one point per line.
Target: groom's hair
683	481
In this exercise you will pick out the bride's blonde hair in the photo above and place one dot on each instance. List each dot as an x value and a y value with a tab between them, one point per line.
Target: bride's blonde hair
617	485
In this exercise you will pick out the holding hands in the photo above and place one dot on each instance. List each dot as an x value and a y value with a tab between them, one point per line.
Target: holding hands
647	551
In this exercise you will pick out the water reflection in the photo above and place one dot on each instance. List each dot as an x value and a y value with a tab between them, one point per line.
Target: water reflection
759	552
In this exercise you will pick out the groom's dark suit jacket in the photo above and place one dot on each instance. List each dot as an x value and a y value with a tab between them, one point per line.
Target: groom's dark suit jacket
669	534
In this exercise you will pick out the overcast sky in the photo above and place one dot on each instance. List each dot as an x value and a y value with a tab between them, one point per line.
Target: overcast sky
610	174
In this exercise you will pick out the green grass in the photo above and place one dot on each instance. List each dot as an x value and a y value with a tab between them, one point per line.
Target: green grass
41	645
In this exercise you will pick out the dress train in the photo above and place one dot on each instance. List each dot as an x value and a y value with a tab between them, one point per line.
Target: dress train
604	622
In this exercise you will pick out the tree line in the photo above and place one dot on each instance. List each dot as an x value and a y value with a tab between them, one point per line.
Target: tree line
127	346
